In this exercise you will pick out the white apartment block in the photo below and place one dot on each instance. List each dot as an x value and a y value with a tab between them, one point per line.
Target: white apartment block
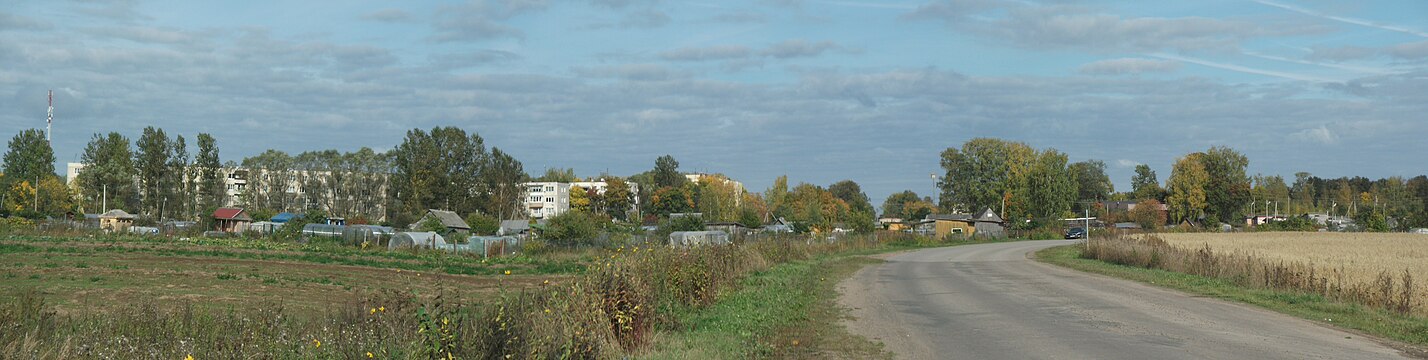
234	181
547	199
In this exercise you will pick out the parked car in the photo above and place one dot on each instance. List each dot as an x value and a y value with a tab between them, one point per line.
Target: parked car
1076	233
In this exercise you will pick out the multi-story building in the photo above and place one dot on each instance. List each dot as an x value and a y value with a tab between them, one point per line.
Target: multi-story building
360	194
547	199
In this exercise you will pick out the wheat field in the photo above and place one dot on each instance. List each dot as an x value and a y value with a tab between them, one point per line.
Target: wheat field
1360	257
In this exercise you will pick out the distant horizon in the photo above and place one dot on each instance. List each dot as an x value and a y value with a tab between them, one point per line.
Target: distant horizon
820	91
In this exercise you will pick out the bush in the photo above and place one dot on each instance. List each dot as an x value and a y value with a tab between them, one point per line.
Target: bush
482	224
1294	223
1148	215
573	228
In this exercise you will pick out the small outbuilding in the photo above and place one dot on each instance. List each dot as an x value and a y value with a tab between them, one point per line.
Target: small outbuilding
514	227
449	219
283	217
231	220
115	220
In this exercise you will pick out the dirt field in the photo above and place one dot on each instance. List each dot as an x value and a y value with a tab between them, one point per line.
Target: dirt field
1361	256
78	274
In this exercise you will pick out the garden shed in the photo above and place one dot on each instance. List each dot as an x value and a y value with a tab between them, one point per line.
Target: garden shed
115	220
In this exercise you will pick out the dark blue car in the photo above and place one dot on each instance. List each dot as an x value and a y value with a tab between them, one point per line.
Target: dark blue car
1076	233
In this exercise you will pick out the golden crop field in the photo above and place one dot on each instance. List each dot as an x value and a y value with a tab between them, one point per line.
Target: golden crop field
1360	256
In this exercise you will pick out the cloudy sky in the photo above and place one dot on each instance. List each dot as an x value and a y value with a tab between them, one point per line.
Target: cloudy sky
820	90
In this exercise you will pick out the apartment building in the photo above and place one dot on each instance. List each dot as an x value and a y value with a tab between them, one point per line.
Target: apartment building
547	199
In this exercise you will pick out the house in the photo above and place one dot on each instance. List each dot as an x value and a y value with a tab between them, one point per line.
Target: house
115	220
231	220
986	223
989	224
779	226
449	219
893	223
514	227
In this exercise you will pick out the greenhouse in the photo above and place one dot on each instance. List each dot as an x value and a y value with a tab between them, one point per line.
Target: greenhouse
492	245
310	231
426	240
698	238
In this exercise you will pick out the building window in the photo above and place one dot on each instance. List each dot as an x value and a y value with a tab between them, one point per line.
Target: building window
549	188
549	199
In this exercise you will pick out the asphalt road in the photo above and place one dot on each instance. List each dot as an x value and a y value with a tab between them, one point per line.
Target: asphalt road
991	302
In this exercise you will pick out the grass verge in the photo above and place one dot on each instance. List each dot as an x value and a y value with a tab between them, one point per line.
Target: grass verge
1317	308
789	311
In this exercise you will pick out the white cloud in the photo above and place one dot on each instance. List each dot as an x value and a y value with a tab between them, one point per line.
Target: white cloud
1345	19
1124	66
1320	135
1126	163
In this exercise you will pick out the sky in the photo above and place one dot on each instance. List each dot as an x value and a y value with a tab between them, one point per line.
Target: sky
819	90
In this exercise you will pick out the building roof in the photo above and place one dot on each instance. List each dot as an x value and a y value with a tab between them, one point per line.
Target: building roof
116	214
989	216
950	217
448	219
283	217
515	224
231	214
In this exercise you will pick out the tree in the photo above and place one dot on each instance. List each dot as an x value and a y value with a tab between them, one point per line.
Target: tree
1228	188
108	174
666	173
1187	188
894	204
776	197
670	200
717	198
271	175
482	224
48	198
572	228
1303	192
504	177
579	199
437	170
1147	213
851	193
211	191
558	175
176	182
29	158
618	198
1051	191
151	162
1144	184
984	173
1091	182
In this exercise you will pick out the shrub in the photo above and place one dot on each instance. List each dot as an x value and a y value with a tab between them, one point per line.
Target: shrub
573	228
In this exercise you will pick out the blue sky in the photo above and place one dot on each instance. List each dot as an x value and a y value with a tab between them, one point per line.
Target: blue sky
819	90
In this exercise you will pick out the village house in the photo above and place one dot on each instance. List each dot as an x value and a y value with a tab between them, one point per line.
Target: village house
231	220
115	221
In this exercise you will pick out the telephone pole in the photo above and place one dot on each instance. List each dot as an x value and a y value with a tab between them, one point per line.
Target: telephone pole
51	118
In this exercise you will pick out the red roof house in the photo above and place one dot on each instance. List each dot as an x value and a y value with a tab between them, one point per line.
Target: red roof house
231	219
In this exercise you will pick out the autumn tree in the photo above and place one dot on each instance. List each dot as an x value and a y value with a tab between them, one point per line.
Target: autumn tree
503	177
851	193
558	175
439	169
983	173
1148	215
1187	183
619	199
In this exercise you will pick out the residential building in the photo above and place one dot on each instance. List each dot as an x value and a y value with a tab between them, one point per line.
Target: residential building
985	224
547	199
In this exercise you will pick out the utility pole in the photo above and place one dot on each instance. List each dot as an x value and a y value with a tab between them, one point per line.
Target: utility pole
104	204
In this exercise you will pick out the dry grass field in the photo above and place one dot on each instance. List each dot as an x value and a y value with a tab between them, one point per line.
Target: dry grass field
1369	267
1361	256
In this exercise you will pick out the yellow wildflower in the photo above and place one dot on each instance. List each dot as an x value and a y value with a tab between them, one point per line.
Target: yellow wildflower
382	309
547	282
508	272
369	354
316	343
374	310
189	357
